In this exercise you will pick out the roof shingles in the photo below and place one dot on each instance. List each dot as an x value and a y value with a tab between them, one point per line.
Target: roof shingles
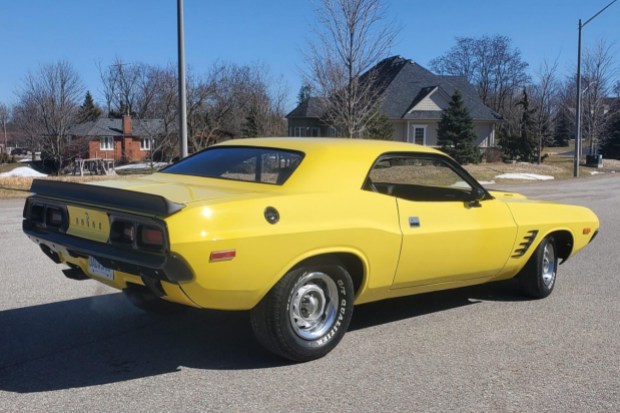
403	84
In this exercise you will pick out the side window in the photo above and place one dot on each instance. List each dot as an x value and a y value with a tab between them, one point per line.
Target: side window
418	178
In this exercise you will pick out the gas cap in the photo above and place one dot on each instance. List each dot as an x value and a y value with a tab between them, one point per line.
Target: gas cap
272	215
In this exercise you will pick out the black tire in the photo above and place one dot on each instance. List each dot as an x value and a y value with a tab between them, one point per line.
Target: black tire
306	314
538	276
146	301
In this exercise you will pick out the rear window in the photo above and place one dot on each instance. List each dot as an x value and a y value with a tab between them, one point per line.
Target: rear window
240	163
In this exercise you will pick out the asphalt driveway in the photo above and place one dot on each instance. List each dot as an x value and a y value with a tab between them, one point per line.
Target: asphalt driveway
79	346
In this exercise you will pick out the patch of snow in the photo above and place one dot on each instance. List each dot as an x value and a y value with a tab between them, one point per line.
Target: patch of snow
484	183
23	171
596	173
156	165
525	176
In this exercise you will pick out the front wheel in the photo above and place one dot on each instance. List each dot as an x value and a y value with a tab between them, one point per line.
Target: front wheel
306	313
538	276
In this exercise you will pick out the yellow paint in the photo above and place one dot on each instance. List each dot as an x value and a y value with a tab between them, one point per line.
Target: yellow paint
323	211
88	223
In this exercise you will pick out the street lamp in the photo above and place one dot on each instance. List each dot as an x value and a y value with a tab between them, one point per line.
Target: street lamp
578	106
182	90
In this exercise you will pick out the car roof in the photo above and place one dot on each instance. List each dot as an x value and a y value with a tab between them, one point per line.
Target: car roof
306	145
331	164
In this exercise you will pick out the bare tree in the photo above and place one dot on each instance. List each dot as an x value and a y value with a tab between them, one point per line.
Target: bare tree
234	101
490	63
545	98
351	37
163	105
598	65
48	104
5	114
128	88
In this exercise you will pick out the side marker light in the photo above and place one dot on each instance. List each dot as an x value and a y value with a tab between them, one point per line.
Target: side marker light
226	255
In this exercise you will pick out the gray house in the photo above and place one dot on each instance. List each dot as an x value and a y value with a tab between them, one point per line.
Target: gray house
413	99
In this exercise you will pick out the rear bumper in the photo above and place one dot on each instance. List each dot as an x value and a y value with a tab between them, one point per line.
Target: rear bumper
165	267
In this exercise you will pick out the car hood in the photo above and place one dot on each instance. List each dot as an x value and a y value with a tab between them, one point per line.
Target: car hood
186	190
506	195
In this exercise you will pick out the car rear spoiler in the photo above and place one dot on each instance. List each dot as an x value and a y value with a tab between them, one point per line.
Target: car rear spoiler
101	196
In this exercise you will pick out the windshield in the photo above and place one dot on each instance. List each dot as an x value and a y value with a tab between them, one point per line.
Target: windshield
240	163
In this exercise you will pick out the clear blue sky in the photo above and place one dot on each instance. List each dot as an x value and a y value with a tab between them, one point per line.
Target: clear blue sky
273	32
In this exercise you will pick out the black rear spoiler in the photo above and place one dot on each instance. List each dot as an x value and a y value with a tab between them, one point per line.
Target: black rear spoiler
101	196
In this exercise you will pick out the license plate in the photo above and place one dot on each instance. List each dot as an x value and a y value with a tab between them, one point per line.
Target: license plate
95	268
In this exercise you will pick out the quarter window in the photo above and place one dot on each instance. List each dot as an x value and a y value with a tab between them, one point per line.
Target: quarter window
240	163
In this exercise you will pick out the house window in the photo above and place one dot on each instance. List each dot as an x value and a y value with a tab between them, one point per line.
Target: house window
304	131
107	143
146	144
417	134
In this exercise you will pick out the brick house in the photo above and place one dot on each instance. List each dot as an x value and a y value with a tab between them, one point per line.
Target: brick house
413	99
123	139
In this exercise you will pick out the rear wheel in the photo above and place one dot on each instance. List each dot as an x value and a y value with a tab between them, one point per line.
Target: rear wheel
538	276
306	313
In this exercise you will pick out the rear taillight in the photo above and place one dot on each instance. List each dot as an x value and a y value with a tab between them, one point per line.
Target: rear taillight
123	232
54	217
129	232
50	216
37	213
151	237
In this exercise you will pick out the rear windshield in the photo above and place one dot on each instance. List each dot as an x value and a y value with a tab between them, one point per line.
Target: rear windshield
240	163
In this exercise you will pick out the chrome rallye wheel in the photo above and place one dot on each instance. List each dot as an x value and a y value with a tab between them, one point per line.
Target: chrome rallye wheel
306	313
538	276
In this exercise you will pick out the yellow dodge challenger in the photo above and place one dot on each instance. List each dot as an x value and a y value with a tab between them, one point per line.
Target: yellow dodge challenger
299	230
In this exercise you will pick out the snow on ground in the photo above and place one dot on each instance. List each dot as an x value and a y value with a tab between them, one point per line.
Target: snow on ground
156	165
525	176
22	171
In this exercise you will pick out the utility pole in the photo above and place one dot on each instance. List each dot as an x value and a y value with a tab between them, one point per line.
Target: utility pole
578	105
6	147
182	89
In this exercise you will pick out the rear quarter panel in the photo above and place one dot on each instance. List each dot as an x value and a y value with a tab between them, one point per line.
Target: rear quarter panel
355	222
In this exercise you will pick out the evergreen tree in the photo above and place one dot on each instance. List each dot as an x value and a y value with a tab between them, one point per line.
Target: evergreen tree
305	93
251	127
527	142
562	130
611	143
509	143
380	128
455	132
88	111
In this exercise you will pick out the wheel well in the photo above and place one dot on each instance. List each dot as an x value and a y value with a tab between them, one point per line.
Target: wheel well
563	243
351	262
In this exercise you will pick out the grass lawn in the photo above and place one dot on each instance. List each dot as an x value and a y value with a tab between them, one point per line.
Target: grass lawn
556	165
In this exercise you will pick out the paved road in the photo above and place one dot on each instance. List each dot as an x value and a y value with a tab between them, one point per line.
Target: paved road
78	346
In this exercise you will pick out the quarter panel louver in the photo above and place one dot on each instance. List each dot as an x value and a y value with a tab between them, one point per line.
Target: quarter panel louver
525	244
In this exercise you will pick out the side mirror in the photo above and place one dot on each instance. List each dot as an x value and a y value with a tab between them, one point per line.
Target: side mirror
477	195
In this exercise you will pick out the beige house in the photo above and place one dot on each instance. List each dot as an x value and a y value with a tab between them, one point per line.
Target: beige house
413	99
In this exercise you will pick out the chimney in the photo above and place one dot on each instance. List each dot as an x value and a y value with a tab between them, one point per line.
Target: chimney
127	130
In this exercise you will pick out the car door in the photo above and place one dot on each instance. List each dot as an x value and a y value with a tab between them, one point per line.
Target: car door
452	229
